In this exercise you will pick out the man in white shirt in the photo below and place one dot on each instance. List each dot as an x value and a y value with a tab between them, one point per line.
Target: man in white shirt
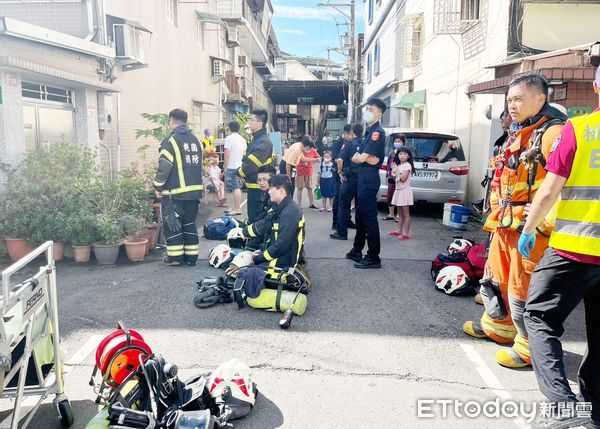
235	146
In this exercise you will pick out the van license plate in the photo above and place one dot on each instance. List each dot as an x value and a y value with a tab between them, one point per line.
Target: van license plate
425	175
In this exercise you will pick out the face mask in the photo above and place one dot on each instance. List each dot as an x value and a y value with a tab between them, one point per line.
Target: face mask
368	116
398	145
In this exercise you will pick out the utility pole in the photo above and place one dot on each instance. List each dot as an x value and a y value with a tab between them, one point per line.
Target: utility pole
351	53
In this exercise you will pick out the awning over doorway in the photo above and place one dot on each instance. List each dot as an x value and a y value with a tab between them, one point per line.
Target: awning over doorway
210	18
315	92
409	100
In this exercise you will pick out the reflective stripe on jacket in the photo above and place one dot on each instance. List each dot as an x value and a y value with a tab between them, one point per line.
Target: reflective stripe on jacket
578	213
516	180
179	171
258	154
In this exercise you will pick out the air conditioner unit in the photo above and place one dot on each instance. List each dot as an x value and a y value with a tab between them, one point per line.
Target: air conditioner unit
242	61
129	43
217	68
233	37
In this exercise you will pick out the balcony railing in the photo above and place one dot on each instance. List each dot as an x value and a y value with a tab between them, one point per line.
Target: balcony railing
238	10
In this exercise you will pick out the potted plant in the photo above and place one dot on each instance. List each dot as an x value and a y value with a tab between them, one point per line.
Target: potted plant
135	243
14	224
81	233
110	231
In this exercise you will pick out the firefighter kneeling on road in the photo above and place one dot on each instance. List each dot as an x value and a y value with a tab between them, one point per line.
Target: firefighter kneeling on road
519	173
283	228
179	181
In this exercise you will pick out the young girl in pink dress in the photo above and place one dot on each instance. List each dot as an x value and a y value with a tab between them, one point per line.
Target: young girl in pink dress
403	195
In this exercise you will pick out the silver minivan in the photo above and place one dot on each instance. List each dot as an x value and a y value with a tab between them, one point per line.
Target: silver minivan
440	163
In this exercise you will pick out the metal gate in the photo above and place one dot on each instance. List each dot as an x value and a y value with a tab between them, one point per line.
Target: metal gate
47	115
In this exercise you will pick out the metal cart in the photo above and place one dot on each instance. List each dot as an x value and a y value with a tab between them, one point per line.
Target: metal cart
30	357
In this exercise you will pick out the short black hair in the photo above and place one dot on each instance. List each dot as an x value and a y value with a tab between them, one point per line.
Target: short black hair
532	81
266	169
279	181
377	102
357	130
348	128
234	127
261	115
307	141
401	137
179	115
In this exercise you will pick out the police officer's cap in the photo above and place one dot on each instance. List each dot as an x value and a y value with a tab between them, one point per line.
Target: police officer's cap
377	102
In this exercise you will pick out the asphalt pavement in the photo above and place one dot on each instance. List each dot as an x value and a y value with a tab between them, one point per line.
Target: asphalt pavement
371	344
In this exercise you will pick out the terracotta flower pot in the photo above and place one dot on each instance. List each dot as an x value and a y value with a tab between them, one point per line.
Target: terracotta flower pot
136	249
18	247
58	248
148	236
82	253
152	236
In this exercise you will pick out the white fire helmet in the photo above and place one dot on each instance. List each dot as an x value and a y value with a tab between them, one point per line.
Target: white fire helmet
451	280
236	239
460	245
220	255
231	384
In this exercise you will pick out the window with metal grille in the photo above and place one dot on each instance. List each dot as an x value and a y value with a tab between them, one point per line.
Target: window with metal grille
369	67
47	93
216	71
469	10
412	40
172	11
417	44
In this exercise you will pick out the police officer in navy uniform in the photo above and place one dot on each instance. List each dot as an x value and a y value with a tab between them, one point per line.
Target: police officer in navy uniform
369	160
336	148
179	181
349	182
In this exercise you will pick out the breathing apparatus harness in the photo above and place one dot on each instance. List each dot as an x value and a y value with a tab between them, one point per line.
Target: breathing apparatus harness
531	159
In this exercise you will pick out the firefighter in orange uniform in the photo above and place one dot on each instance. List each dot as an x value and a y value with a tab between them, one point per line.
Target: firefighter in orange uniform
519	171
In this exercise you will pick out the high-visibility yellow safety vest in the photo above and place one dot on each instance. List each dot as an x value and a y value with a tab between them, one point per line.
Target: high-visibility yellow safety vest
578	214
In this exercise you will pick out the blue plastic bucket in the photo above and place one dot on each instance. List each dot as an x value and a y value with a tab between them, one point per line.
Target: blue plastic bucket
459	217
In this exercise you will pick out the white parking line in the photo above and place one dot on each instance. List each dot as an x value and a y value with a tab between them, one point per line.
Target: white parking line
84	350
244	203
490	379
485	372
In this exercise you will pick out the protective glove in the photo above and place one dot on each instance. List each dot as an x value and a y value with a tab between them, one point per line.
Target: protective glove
170	216
232	270
526	243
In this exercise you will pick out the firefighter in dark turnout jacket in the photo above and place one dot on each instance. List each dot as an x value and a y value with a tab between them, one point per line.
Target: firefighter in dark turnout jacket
179	180
283	228
258	154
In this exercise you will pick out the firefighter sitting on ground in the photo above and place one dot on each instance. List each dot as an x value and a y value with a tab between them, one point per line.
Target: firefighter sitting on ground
283	228
267	208
519	173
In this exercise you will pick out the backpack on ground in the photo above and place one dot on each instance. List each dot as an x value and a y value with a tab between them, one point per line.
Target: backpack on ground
471	262
217	229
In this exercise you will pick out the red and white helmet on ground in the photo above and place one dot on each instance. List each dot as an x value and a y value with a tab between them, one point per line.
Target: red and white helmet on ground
231	385
452	280
460	245
220	256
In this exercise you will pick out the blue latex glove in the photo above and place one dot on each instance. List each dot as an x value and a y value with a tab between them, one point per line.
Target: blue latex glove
526	243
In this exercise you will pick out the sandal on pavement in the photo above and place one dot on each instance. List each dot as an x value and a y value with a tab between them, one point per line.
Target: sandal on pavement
404	237
394	234
312	206
388	217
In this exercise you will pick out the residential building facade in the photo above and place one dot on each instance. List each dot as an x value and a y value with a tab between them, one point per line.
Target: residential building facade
85	71
444	48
